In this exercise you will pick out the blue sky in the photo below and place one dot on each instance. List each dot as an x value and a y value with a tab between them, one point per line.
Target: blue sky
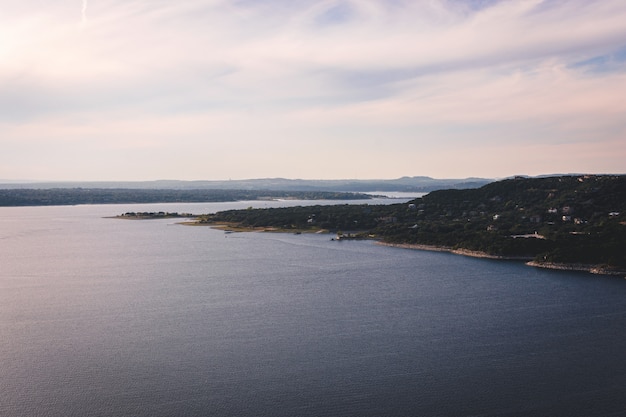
214	89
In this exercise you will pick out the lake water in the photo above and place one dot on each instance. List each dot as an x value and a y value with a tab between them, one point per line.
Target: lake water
108	317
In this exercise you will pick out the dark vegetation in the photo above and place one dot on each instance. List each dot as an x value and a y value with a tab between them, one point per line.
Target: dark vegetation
567	219
73	196
154	215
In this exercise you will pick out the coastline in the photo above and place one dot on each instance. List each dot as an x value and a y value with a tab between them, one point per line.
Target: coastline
153	215
233	227
592	269
464	252
230	227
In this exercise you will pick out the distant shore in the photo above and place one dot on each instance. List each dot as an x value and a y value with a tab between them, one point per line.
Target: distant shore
153	215
594	269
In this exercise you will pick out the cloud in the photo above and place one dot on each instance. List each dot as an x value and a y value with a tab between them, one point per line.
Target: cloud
84	12
331	71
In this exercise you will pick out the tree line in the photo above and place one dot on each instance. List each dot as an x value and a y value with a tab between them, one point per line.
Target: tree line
74	196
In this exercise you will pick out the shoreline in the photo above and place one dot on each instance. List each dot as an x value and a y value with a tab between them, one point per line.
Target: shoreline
464	252
230	227
592	269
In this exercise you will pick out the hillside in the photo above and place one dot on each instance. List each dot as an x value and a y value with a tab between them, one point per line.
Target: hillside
404	184
565	219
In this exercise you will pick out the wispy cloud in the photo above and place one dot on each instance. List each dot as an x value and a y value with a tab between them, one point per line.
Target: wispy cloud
84	12
335	72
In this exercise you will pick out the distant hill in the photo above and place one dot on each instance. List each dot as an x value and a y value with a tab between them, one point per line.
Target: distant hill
404	184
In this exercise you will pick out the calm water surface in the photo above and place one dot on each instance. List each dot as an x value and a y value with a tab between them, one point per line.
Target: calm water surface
106	317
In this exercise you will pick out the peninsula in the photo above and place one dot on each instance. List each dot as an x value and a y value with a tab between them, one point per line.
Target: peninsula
576	222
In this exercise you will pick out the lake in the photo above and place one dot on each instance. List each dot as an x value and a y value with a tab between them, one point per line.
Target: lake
110	317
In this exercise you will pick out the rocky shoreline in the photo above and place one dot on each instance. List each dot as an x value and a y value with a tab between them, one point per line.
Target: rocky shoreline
593	269
464	252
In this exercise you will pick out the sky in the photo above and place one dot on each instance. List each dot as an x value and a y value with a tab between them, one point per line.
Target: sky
101	90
